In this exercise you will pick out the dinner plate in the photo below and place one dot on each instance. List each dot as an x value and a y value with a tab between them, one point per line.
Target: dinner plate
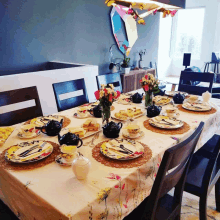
126	134
23	136
43	120
198	107
172	93
161	100
165	122
124	150
27	152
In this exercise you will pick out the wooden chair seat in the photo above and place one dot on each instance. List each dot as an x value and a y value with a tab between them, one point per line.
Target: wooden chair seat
171	174
204	174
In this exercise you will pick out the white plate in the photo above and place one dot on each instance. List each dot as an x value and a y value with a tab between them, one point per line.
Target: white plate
172	93
22	135
114	152
87	134
165	124
157	99
12	154
43	120
144	113
126	134
191	107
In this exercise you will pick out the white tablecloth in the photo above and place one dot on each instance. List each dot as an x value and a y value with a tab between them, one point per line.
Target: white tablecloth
108	193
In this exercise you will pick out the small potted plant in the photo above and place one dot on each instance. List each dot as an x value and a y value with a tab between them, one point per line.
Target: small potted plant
126	62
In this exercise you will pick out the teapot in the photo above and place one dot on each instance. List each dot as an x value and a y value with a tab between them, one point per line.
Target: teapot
52	128
70	139
137	98
153	110
178	98
112	129
161	92
96	111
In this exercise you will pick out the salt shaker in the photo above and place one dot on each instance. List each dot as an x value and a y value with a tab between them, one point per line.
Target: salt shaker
81	166
206	96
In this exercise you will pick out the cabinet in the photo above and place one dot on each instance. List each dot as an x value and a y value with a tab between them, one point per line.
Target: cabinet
130	81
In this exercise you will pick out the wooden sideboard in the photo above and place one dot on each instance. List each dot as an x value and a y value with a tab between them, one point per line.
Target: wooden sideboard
130	81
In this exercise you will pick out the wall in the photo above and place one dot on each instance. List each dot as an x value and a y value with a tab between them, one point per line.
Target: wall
34	32
208	38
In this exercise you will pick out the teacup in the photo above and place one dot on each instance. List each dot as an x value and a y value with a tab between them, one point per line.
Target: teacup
28	130
82	112
193	98
172	112
68	149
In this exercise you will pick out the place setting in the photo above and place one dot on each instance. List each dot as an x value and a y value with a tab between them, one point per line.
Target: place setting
28	131
194	105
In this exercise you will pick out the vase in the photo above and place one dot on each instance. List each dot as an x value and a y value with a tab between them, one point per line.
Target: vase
106	113
148	98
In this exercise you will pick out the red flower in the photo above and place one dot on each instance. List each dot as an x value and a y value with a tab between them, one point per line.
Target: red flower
123	186
106	92
118	94
140	81
116	186
110	98
97	95
146	88
146	76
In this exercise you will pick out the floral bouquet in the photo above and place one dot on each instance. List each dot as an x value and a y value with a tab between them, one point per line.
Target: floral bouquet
106	96
150	85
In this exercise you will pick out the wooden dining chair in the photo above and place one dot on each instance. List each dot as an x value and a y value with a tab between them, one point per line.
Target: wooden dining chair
204	174
187	79
19	105
70	94
171	174
113	78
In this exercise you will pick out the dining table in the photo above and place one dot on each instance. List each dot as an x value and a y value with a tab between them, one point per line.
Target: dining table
112	188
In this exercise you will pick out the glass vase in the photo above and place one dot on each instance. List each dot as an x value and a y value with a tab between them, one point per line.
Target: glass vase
106	114
148	98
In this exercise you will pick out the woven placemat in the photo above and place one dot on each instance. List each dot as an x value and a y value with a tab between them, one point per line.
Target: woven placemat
212	111
29	166
181	130
66	121
98	156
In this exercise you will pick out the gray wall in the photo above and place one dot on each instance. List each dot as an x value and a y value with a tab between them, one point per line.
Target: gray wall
34	32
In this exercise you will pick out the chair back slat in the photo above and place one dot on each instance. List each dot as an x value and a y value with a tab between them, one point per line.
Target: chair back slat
114	78
70	94
195	76
19	105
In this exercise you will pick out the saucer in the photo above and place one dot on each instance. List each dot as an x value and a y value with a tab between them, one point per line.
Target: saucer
76	115
126	134
23	136
62	161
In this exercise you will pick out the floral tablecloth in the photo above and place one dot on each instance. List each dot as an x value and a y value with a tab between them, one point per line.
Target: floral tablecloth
107	193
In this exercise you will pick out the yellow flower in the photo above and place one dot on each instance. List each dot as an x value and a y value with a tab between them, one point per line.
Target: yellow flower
141	21
109	3
103	194
112	86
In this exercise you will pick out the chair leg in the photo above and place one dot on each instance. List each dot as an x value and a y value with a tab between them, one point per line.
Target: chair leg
217	195
177	217
203	208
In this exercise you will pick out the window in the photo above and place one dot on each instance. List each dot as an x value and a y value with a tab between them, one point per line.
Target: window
187	29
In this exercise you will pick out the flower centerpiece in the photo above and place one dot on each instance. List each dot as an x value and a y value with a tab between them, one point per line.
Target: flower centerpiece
106	96
150	85
126	61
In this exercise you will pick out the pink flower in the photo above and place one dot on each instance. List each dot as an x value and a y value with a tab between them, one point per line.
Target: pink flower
130	11
123	186
117	186
140	81
146	76
97	95
146	88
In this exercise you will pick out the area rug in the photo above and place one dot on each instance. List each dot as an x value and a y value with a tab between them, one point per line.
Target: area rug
190	207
